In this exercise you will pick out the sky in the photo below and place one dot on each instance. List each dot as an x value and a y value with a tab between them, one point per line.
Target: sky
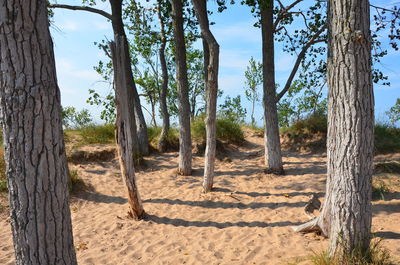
74	34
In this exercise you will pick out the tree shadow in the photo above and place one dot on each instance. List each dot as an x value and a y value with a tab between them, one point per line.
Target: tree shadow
387	235
227	205
386	208
185	223
99	197
267	194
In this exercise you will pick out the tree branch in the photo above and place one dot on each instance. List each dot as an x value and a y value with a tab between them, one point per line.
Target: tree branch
300	57
83	8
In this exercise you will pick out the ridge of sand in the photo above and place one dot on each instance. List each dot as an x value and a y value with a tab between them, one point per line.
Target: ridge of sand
246	220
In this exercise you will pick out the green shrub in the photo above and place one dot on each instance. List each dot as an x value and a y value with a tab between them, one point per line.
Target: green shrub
172	137
3	180
227	130
98	134
387	139
379	189
315	123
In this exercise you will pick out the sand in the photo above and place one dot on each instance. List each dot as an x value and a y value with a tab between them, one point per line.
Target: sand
246	220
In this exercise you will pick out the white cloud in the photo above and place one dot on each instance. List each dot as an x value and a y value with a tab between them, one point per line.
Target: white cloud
239	32
68	25
284	62
66	69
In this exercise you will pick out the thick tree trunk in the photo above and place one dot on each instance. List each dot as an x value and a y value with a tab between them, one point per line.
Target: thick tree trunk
200	7
273	156
346	214
141	127
125	123
33	138
162	143
185	139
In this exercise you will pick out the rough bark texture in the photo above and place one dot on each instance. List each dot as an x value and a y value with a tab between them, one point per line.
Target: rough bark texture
346	214
125	123
212	59
162	143
126	119
141	127
33	138
185	139
273	156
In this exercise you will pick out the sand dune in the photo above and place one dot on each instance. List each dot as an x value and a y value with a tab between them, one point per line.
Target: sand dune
246	220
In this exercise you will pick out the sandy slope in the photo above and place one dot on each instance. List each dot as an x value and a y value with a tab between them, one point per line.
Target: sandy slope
247	220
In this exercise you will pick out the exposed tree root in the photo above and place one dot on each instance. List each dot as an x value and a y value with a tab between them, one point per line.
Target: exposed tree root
309	227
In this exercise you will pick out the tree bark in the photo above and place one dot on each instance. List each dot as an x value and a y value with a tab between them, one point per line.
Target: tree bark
141	127
212	59
162	143
125	123
273	156
125	94
33	138
346	214
185	139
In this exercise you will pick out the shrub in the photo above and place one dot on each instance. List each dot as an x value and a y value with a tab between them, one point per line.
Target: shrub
314	123
3	180
154	134
227	130
387	138
98	134
379	189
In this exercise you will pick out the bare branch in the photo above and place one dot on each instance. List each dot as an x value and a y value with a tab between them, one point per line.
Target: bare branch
300	57
83	8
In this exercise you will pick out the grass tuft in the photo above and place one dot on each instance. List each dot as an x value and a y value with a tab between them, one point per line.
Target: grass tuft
172	138
98	134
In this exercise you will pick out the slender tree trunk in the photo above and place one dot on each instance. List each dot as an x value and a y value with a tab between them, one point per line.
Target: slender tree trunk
126	122
273	156
200	7
185	139
162	143
346	214
33	138
141	127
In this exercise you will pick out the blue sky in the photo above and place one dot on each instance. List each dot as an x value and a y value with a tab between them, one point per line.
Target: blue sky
74	34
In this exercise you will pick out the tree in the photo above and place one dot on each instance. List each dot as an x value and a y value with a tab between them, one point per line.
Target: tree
34	147
273	155
212	58
394	112
346	214
118	28
254	79
126	96
185	140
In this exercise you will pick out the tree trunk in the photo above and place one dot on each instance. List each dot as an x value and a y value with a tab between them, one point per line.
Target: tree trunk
33	138
200	7
125	123
273	156
162	143
185	139
141	127
346	214
126	119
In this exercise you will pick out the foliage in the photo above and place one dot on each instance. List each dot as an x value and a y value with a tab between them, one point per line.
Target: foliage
108	113
228	130
3	184
379	188
387	139
98	134
300	102
314	123
376	254
73	119
172	139
232	110
3	178
254	78
394	113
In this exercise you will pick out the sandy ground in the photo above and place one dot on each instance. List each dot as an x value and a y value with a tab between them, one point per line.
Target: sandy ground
246	220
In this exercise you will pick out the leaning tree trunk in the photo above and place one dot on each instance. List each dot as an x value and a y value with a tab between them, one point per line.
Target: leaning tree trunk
162	143
33	138
185	139
125	123
141	127
346	214
126	119
273	156
200	7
